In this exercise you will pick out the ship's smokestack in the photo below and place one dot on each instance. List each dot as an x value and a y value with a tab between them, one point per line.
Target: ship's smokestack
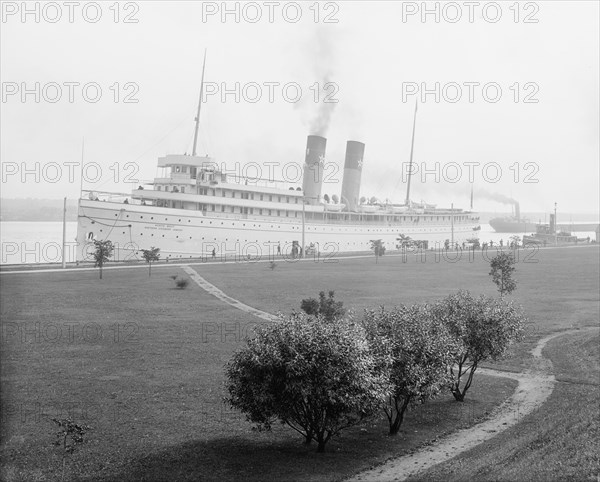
552	224
517	211
355	152
313	168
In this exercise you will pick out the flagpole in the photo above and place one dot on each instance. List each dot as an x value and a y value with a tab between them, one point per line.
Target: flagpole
471	196
81	175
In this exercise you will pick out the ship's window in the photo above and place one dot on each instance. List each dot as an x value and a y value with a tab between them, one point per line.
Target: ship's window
183	168
287	199
222	209
270	197
269	212
183	189
177	168
278	213
278	198
260	212
159	188
261	197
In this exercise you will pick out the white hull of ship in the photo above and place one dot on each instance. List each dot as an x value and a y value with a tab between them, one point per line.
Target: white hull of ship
185	234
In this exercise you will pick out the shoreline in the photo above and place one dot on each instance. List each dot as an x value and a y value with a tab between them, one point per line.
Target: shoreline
24	268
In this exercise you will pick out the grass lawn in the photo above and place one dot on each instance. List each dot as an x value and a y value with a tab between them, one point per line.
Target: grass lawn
560	441
142	364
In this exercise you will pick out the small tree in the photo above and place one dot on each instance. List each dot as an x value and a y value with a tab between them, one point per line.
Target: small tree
328	308
103	251
69	435
413	350
483	329
377	247
150	255
403	241
317	378
515	241
502	269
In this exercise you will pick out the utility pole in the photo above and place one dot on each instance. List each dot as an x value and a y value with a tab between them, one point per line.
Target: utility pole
555	226
452	224
64	243
303	214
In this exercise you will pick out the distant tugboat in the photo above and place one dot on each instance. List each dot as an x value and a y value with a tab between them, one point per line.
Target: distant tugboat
547	234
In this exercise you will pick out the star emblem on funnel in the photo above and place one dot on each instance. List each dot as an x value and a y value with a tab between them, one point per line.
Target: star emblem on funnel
360	163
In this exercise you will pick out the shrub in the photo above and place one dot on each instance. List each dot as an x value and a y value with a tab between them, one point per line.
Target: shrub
328	308
317	378
483	329
181	283
413	351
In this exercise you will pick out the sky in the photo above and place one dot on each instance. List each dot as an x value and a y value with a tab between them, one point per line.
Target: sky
507	95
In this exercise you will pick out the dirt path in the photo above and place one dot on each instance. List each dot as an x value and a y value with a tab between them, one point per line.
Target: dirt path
534	388
216	292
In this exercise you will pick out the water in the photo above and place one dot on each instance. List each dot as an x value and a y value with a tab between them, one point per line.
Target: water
36	242
41	242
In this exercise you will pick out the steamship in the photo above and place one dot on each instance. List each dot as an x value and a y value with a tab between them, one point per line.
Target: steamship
197	209
512	224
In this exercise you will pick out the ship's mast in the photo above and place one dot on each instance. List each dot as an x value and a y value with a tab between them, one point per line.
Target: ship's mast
412	145
199	105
